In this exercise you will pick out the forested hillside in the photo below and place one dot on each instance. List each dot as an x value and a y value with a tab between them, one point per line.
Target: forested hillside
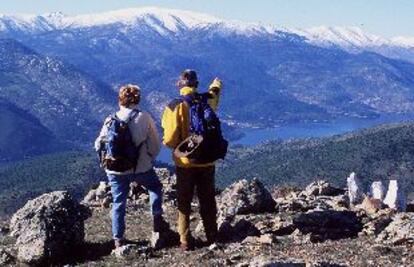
379	153
73	171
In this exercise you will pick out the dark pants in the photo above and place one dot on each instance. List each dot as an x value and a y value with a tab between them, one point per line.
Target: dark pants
201	179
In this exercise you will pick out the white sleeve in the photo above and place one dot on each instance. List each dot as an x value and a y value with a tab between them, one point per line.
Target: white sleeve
153	139
102	135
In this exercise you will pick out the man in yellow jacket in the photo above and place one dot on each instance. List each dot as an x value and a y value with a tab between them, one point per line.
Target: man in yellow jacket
190	176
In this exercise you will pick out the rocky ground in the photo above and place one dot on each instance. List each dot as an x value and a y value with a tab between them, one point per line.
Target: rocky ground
285	227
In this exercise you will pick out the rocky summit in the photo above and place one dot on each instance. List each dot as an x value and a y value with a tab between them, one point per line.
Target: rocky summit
314	226
48	228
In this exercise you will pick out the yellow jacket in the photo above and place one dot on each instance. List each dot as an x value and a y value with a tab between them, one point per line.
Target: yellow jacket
176	121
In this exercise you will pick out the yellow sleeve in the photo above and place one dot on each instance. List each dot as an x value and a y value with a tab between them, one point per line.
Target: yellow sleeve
215	91
169	123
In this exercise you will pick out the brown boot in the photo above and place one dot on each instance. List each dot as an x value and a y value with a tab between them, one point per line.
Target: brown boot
187	246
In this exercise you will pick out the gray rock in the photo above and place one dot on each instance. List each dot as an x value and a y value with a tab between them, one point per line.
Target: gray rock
244	197
322	188
102	190
131	251
399	231
276	226
303	203
376	223
377	190
47	227
263	261
5	257
354	189
90	197
370	205
101	196
395	197
329	224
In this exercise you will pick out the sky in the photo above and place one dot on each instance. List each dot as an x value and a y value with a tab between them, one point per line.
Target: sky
387	18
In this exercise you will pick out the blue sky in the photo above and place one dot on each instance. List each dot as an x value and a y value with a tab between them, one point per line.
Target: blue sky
384	17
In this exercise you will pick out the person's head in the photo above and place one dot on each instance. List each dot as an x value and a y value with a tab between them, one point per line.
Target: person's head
188	78
129	95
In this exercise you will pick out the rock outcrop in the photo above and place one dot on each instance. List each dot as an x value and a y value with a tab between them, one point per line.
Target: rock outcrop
48	227
400	230
101	196
328	224
242	197
318	195
316	226
245	197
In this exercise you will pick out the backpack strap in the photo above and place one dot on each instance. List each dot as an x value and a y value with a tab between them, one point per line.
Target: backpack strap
133	114
191	98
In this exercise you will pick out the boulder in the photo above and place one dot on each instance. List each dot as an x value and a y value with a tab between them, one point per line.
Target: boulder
377	190
169	185
48	227
244	197
377	222
236	229
370	205
99	197
395	197
329	224
303	203
354	189
322	188
276	226
399	231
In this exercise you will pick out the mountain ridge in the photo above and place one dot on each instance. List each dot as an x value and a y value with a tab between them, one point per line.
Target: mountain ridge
173	20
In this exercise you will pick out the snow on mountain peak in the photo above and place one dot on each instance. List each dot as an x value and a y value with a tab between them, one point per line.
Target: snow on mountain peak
347	37
404	41
161	19
166	21
171	19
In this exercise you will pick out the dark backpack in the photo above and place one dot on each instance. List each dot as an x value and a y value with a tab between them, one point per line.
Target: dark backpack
206	143
118	152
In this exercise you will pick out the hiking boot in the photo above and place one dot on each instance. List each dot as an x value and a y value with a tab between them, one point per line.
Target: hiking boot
187	246
119	243
211	239
157	241
160	225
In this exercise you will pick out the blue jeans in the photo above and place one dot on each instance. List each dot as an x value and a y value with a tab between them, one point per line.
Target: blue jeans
120	188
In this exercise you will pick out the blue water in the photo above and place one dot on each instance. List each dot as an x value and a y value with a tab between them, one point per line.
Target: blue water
254	136
302	130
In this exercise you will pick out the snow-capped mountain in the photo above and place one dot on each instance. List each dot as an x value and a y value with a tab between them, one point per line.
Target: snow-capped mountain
355	40
164	21
272	75
167	21
346	37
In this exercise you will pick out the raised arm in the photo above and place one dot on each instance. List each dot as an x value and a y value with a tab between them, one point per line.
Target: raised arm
215	91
